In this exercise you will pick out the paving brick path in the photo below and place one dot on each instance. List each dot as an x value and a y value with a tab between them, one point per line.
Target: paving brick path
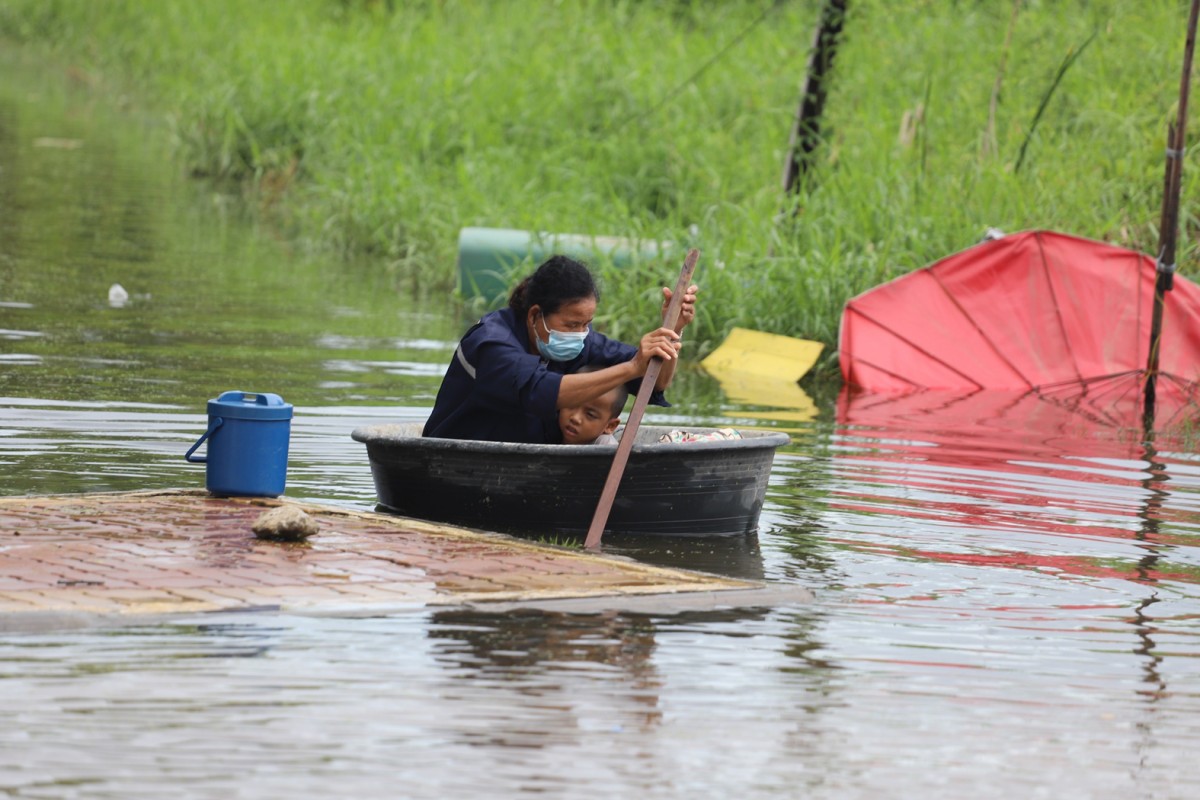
185	551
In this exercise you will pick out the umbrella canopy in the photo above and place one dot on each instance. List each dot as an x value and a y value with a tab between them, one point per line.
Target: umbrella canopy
1065	317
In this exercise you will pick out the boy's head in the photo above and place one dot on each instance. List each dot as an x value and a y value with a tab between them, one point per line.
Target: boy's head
584	423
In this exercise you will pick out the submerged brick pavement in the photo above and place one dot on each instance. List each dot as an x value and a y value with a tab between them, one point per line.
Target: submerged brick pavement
186	551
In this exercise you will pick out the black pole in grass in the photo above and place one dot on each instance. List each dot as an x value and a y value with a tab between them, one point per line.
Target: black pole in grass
806	129
1169	222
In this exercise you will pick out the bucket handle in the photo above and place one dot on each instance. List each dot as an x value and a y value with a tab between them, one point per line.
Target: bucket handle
213	424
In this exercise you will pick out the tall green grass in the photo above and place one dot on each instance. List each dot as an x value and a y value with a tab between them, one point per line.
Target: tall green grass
383	127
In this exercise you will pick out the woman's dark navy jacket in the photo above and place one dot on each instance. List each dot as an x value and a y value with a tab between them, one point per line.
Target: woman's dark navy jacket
496	390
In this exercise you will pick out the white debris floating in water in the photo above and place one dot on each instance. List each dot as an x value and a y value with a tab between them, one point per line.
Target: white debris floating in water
117	296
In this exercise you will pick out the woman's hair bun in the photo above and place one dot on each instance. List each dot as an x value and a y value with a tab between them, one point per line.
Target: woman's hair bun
558	280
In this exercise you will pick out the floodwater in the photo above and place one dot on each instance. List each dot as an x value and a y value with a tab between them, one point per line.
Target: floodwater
1006	602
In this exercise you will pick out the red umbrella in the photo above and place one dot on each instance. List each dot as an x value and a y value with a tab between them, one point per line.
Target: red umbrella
1044	312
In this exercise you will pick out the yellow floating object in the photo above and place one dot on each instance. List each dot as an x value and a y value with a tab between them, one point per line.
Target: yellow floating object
764	369
780	393
768	354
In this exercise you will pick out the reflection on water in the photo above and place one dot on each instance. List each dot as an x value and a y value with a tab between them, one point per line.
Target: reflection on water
1007	591
453	704
1016	482
531	651
733	556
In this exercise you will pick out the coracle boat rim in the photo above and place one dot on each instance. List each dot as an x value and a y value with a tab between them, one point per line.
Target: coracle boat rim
409	435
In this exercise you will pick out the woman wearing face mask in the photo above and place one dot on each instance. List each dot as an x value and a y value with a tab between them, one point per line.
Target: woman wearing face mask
517	366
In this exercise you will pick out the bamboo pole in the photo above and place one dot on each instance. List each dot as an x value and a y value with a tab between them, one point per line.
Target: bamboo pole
1169	222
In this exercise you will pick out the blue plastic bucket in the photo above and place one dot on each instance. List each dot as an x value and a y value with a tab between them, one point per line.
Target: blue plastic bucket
247	445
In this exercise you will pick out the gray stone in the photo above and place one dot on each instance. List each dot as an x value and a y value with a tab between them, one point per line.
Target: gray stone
284	524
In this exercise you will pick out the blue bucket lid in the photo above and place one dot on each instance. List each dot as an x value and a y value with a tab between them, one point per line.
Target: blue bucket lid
249	405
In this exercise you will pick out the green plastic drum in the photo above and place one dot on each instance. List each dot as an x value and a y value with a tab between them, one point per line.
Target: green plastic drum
490	260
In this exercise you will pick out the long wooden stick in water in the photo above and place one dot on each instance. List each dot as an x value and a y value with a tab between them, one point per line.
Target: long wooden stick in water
639	406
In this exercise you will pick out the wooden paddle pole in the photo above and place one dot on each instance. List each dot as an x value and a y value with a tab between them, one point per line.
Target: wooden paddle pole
596	530
1169	222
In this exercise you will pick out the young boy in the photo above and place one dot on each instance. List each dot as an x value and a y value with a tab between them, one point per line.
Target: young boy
594	421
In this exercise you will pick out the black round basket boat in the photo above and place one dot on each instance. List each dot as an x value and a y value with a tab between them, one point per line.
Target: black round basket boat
698	488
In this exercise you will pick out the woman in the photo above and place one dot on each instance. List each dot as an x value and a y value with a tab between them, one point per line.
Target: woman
517	366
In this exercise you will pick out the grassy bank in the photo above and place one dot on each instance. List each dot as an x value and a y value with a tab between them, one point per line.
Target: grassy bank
384	127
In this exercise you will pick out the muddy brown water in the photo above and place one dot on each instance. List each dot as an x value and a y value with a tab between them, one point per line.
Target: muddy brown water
1006	604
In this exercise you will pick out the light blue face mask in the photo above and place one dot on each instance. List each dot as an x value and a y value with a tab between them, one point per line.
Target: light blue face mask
562	346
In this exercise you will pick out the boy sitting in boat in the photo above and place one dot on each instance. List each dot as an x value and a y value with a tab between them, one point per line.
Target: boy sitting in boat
595	420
